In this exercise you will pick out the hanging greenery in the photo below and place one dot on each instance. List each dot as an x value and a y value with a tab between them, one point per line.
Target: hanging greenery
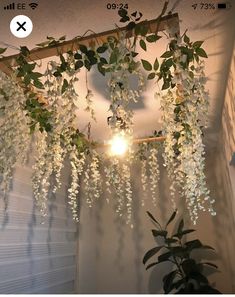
46	105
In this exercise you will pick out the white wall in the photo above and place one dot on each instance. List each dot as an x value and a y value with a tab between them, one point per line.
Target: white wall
36	258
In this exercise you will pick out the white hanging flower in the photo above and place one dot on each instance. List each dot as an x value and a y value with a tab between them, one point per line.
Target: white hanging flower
14	129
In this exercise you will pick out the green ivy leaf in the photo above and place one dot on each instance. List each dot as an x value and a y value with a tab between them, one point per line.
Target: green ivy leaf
151	75
2	50
167	54
83	48
57	74
38	84
122	12
79	64
78	56
156	65
24	51
186	39
143	44
113	58
152	38
130	26
87	65
200	51
102	49
65	86
124	19
101	69
143	30
197	44
147	66
166	85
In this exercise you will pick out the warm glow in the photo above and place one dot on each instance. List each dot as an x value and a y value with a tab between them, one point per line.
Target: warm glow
118	145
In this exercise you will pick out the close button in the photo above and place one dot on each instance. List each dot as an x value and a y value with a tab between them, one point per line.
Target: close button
21	26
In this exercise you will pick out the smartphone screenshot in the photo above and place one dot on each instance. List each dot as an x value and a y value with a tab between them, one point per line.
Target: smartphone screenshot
117	147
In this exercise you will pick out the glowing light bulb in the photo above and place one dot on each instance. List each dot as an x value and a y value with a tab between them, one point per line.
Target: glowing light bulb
118	145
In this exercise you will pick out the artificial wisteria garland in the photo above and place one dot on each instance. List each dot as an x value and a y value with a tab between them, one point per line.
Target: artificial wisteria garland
184	109
52	120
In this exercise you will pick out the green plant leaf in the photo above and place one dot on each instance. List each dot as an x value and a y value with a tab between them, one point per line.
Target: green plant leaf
156	65
200	51
189	266
2	50
38	84
171	218
101	69
156	233
83	48
168	281
183	232
147	66
122	12
165	85
124	19
151	253
199	277
143	30
197	44
102	49
113	58
181	226
130	26
152	218
164	257
210	264
170	240
167	54
151	75
152	38
57	74
78	64
151	265
143	44
186	39
65	86
87	65
78	56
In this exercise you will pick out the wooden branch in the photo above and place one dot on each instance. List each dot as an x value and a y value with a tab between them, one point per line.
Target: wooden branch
154	26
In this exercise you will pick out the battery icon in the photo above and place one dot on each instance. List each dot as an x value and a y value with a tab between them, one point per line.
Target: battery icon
225	5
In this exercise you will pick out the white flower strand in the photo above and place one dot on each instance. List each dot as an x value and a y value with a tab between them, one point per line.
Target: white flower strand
187	166
128	193
153	174
42	170
144	180
57	143
14	130
77	162
92	180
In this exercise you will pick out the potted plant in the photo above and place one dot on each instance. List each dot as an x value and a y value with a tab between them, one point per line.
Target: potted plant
187	275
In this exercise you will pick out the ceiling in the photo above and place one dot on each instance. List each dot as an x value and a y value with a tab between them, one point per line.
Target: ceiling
74	17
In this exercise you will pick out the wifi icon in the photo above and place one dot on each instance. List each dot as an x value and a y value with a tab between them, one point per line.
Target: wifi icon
33	5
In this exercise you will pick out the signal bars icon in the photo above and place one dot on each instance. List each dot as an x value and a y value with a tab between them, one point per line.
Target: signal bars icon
10	6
